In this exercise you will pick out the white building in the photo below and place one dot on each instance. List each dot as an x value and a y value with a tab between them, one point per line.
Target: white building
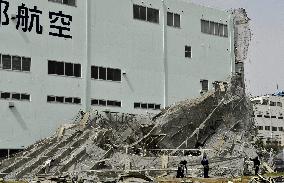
133	56
268	116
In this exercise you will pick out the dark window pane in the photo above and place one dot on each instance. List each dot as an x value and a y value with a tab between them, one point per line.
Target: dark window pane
16	96
142	13
26	64
102	102
157	106
151	106
69	2
94	102
144	106
117	103
117	75
69	69
16	63
204	85
177	20
51	67
211	27
77	70
68	100
225	30
94	72
187	50
102	73
170	18
136	10
60	99
110	73
221	30
6	59
110	103
5	95
50	99
206	27
137	105
25	97
139	12
77	101
60	68
152	15
0	61
216	28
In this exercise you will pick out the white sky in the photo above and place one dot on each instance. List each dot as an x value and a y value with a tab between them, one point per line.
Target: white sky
265	65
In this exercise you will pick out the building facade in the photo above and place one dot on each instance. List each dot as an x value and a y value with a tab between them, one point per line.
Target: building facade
133	56
268	117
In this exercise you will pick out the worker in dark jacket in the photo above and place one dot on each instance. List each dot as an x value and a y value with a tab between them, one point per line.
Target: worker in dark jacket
182	169
256	164
205	164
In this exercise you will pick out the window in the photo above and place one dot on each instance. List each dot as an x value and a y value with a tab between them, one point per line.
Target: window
260	127
205	26
259	115
26	64
279	104
272	103
267	128
204	85
145	13
137	105
187	51
214	28
95	72
6	61
77	101
25	97
102	102
273	116
152	15
274	128
103	73
280	129
110	103
139	12
151	106
15	96
61	99
67	2
5	95
264	102
280	117
50	99
173	19
16	63
64	68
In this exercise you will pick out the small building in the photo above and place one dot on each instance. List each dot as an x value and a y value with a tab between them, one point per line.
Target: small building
61	56
268	117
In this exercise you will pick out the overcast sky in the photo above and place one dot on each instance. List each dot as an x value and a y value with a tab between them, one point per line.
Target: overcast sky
265	65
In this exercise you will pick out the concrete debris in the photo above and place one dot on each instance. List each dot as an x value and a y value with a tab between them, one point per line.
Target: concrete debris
113	147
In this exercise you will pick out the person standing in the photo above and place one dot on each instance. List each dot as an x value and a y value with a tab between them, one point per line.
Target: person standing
256	164
205	164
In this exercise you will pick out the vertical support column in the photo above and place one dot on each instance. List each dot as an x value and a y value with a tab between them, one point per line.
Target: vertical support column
165	62
231	29
88	57
8	153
